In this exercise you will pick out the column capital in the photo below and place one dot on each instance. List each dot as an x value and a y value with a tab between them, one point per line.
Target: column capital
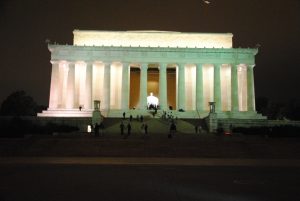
217	64
162	66
251	65
54	62
234	65
59	62
181	65
79	62
125	64
71	64
107	62
98	62
89	62
144	66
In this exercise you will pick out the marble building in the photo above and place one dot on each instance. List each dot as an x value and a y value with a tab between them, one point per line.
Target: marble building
182	71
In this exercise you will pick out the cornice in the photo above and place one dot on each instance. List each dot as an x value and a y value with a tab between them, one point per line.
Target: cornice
55	47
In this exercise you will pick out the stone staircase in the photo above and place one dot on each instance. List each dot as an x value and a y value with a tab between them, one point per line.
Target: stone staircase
65	113
155	125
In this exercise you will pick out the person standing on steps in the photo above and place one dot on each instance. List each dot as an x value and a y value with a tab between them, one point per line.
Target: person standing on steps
142	128
122	126
172	130
101	128
146	128
97	130
199	129
142	118
128	129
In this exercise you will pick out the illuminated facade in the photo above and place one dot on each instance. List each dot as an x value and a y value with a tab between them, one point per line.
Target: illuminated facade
184	70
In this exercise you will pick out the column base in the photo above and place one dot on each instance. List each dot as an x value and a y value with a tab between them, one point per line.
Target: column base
65	113
240	115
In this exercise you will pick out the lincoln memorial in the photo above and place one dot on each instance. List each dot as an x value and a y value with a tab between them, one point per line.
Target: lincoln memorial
129	70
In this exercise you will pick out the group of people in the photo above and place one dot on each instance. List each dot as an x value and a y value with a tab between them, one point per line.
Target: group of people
126	127
168	115
138	117
123	127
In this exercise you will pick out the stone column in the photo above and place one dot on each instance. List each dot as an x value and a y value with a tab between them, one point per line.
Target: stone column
250	86
181	86
63	73
234	89
61	83
199	87
71	86
54	87
163	103
125	86
143	86
106	88
89	86
217	87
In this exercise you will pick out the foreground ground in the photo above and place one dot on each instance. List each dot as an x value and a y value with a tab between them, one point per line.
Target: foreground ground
154	145
189	166
148	183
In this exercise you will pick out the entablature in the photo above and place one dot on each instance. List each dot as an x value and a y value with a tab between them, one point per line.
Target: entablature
153	54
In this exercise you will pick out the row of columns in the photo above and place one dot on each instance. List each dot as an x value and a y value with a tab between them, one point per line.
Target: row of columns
64	89
199	87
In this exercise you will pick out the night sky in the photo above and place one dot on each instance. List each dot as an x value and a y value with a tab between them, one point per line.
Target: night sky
25	25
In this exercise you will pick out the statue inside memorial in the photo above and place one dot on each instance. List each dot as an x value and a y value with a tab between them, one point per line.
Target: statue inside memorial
152	102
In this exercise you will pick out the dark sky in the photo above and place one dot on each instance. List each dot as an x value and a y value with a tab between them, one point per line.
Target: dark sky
25	25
